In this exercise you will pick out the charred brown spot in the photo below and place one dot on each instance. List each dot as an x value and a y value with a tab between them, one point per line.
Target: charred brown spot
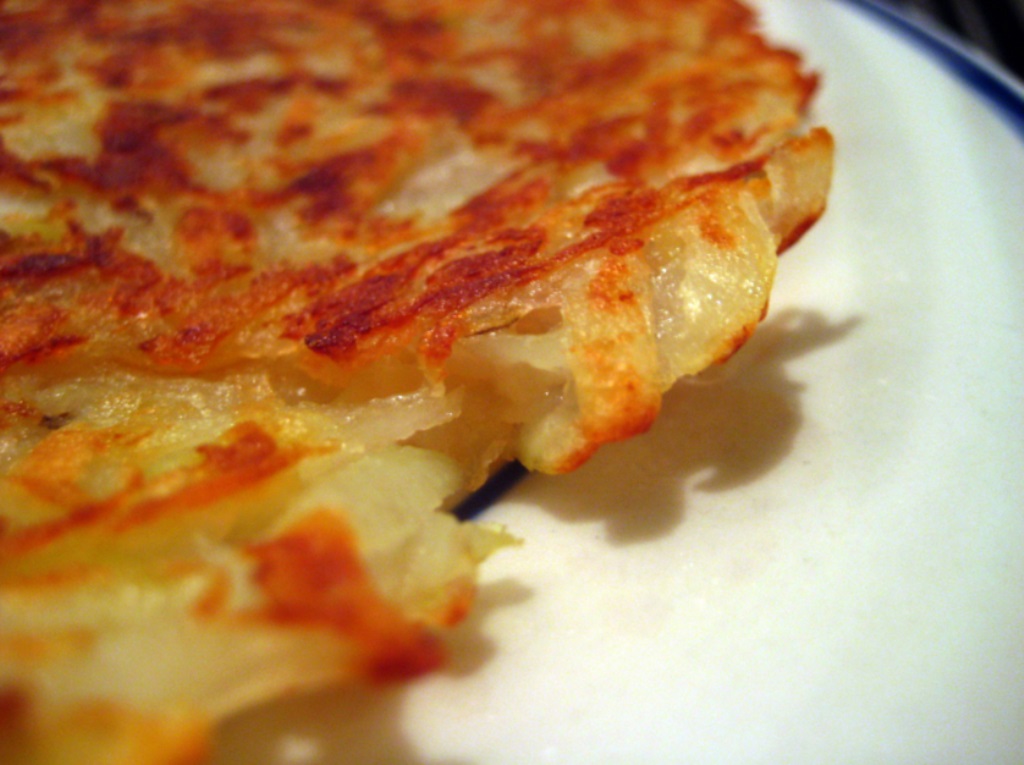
507	250
40	265
23	262
56	421
313	574
503	204
249	448
437	96
252	95
737	172
15	708
383	303
21	32
357	310
625	245
31	332
207	30
415	38
206	320
133	157
213	236
627	211
328	186
247	457
714	231
249	96
13	168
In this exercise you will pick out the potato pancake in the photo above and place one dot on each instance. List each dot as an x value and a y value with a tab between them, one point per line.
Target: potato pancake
281	282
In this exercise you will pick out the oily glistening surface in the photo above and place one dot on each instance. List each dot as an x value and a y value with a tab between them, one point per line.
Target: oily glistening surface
280	283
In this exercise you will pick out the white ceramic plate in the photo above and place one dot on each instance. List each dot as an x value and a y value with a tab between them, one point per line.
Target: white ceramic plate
818	556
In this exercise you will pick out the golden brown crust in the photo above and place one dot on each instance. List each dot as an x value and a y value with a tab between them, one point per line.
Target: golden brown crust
280	279
158	110
313	576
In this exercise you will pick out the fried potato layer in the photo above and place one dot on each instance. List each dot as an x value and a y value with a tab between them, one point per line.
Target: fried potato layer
280	282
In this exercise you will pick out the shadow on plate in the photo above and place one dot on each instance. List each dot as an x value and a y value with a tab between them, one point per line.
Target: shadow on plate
355	725
722	430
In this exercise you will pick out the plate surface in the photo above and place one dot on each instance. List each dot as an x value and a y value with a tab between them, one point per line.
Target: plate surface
817	555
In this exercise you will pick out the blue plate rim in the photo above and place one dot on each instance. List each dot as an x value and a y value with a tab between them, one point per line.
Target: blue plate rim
997	86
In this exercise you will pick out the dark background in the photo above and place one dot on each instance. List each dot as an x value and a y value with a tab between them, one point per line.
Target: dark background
996	27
